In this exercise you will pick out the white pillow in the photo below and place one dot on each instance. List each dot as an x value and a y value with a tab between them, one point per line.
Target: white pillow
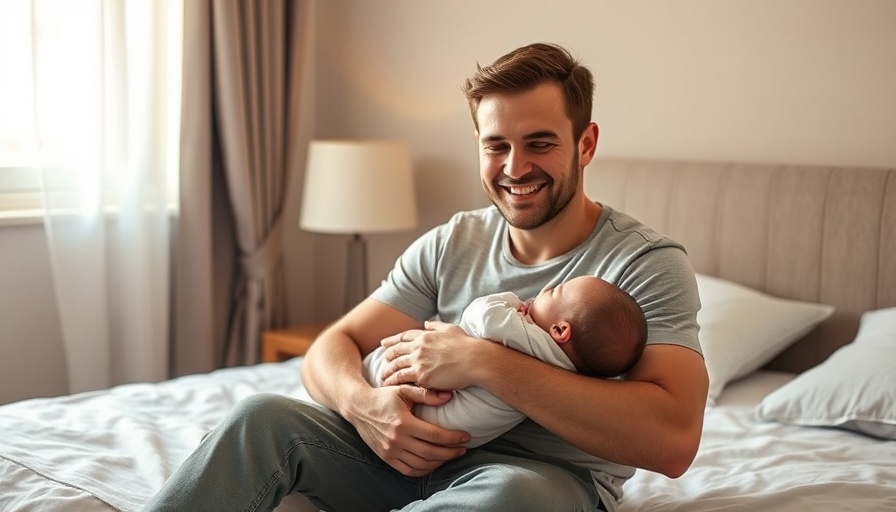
741	329
854	389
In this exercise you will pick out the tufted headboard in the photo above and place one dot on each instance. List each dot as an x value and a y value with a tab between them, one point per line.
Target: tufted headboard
820	234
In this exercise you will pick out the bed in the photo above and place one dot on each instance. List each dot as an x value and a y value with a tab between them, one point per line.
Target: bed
797	271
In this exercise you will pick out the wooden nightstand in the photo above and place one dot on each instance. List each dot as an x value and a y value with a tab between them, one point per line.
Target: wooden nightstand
282	344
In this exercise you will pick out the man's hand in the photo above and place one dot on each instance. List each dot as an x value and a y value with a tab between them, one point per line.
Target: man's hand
440	357
410	445
383	417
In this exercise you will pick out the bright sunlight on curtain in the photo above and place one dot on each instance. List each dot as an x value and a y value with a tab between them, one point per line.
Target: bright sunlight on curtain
106	86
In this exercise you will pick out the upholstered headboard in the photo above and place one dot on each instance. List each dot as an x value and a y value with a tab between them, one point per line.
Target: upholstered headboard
820	234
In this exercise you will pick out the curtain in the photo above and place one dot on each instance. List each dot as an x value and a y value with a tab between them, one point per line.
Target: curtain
241	94
106	100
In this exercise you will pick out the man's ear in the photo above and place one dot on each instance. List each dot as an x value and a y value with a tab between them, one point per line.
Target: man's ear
561	331
588	144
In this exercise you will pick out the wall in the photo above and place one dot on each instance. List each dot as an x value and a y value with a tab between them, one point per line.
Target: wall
791	81
31	358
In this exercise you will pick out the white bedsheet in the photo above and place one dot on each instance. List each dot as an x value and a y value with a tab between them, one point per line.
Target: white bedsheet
103	451
746	465
111	450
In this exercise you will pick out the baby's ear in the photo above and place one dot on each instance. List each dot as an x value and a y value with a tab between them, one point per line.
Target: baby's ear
561	331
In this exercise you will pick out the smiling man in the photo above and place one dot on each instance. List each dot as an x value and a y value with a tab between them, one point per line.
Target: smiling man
532	173
584	436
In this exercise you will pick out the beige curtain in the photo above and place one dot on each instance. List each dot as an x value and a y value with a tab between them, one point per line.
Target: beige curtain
241	89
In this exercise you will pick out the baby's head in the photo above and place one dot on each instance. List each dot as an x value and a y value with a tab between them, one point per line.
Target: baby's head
600	327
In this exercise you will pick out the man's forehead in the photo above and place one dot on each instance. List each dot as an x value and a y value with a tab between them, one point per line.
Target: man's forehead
536	113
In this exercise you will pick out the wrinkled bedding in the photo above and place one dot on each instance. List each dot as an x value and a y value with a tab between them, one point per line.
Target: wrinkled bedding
111	450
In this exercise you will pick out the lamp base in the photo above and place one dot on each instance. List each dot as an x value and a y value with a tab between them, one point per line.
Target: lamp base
355	272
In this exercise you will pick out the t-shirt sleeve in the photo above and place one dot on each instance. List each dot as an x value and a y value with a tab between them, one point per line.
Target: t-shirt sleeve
662	282
411	286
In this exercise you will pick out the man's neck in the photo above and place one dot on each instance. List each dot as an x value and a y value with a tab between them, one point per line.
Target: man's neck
564	232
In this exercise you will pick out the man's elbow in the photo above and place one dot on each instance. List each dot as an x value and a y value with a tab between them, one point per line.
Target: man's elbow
676	468
679	456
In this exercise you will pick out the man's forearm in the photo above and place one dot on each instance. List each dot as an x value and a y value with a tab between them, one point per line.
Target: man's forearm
331	371
652	423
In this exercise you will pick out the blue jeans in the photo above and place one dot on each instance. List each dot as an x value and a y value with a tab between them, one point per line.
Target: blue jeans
271	445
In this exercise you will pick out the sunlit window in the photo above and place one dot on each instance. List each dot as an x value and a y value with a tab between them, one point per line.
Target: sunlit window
74	76
57	33
17	128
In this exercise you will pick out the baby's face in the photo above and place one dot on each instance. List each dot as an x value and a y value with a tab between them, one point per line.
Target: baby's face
553	304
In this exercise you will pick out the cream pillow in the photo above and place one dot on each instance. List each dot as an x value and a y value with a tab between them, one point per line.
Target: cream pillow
741	329
854	389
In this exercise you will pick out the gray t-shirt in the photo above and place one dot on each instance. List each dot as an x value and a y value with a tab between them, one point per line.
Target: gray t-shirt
469	256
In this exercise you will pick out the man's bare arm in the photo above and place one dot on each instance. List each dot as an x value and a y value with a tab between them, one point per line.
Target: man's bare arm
332	373
651	420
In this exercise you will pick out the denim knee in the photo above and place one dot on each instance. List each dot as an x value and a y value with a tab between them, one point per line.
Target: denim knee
263	405
264	412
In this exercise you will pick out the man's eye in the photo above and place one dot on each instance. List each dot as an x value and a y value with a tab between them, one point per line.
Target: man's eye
541	147
500	148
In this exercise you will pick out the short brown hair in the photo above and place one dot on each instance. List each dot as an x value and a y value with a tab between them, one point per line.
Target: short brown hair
529	66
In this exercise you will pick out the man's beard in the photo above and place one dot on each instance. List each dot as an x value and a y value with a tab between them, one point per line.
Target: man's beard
536	215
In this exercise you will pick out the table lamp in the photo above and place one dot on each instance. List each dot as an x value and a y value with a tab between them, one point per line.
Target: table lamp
358	187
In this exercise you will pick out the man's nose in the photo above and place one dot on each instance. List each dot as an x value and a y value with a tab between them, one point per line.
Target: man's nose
517	165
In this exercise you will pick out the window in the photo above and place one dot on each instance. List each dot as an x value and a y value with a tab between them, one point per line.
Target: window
89	87
18	180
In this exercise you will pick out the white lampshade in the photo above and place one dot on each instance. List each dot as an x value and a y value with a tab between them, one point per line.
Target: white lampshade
358	186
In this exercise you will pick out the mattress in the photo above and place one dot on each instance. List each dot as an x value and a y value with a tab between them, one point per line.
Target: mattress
111	450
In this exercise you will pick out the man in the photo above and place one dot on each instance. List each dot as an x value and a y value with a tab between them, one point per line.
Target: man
531	110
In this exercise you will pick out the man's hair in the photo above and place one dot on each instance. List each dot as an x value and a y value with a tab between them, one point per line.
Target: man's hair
609	339
529	66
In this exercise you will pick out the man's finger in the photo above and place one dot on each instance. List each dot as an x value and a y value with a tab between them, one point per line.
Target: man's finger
402	376
391	340
424	396
432	325
401	337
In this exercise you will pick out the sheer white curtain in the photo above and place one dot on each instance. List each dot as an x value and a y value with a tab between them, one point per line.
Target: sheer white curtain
106	82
